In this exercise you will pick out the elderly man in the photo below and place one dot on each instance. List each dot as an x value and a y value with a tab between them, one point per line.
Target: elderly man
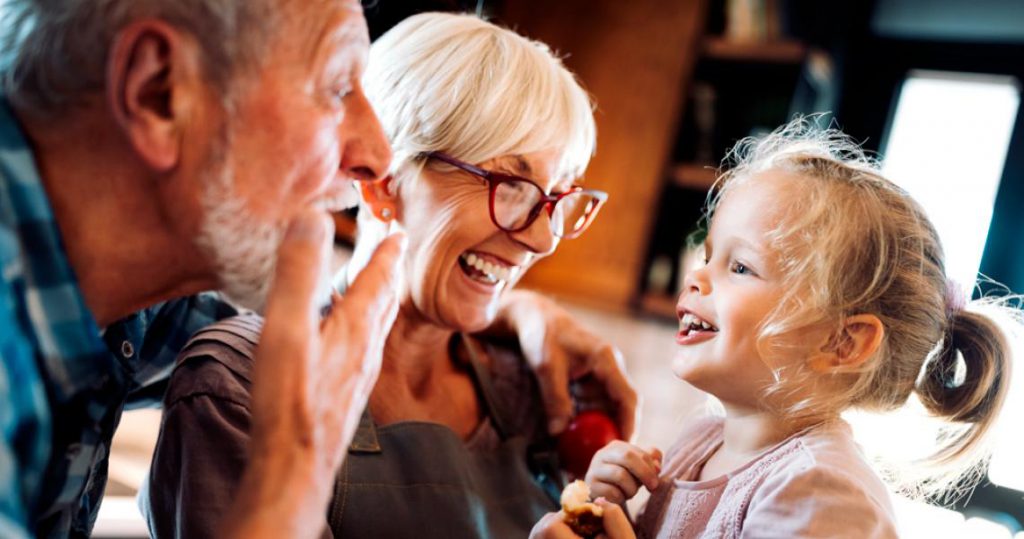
154	149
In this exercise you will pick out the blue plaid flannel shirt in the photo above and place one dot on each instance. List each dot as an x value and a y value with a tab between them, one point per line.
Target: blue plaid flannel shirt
63	381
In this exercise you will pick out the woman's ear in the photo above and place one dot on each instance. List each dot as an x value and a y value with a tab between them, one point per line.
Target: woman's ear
848	349
378	195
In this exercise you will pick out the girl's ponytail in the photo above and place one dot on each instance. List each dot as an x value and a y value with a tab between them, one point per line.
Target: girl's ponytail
965	384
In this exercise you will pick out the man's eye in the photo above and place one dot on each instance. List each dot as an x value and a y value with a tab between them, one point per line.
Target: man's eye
343	92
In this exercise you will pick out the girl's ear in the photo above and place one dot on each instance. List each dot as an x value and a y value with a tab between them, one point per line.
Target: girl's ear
379	197
848	349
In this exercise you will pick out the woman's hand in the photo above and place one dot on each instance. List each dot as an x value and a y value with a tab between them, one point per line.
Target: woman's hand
619	470
559	350
615	522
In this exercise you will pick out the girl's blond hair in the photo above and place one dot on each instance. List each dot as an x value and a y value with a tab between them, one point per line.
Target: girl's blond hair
852	243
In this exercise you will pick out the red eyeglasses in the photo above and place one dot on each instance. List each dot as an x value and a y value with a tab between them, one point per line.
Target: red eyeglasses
515	203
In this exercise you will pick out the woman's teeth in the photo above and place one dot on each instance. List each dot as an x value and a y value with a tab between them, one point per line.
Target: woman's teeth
490	272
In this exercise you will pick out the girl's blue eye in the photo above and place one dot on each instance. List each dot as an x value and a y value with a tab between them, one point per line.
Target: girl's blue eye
738	267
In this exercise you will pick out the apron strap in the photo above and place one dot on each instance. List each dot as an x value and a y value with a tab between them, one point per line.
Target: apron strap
365	439
484	385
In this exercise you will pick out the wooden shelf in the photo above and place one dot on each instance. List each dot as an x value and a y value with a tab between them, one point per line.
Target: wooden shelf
694	176
660	305
775	52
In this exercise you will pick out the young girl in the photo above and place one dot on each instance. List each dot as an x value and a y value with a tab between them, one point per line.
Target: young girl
824	290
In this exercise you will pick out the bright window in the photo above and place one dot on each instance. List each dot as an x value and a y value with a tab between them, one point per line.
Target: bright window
947	146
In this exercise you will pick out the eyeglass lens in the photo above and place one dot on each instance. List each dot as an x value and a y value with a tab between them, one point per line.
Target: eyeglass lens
516	201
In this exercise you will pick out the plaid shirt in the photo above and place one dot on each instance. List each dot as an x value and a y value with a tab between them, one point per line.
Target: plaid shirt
63	381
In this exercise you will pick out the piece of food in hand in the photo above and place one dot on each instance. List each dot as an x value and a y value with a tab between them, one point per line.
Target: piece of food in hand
586	434
579	513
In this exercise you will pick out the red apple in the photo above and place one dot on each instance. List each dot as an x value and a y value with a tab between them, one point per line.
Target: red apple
587	432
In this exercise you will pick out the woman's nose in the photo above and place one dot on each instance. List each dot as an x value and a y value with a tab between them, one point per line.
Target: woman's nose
537	237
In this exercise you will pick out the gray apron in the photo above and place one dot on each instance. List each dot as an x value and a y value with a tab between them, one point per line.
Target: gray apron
418	479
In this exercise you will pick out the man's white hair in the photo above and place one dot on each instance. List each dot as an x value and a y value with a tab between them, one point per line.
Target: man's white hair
459	84
52	52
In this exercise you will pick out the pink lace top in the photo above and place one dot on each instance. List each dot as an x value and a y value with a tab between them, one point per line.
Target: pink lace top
815	484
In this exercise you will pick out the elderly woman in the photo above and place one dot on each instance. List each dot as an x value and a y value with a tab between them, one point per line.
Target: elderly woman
490	132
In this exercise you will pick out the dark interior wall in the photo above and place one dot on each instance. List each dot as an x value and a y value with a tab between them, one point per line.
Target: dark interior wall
974	21
874	69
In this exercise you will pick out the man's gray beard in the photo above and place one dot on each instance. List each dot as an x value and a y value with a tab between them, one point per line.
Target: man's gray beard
241	247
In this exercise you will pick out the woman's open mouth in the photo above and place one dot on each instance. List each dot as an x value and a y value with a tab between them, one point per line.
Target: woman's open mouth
485	269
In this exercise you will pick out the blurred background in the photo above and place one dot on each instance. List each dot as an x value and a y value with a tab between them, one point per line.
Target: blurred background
932	87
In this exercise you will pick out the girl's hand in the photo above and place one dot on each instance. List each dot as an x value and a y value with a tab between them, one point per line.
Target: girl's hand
619	469
551	526
616	524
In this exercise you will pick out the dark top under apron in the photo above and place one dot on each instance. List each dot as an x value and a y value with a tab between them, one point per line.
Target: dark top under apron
407	479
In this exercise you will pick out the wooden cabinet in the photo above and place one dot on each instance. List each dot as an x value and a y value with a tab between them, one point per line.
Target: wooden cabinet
672	96
636	60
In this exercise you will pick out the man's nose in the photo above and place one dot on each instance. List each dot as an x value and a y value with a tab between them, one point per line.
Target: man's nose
366	153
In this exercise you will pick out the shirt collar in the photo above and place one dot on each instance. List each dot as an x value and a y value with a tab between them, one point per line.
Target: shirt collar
73	356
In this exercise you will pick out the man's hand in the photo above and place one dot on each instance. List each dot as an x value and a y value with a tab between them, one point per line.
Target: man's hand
560	350
311	381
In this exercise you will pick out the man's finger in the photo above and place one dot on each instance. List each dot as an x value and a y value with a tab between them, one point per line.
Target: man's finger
377	284
301	259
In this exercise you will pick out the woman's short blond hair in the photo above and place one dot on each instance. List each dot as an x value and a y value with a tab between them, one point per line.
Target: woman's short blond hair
459	84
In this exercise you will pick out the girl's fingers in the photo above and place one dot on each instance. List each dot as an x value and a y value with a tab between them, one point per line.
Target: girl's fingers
616	523
600	489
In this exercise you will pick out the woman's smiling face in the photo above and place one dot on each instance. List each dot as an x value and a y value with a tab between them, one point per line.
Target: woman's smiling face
458	261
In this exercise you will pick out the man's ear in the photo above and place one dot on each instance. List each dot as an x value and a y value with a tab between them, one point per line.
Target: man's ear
855	343
151	65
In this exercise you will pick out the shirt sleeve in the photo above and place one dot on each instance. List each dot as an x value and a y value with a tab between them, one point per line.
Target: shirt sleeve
813	502
24	426
166	328
197	464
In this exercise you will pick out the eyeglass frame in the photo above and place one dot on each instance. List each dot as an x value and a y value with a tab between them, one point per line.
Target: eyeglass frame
548	202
